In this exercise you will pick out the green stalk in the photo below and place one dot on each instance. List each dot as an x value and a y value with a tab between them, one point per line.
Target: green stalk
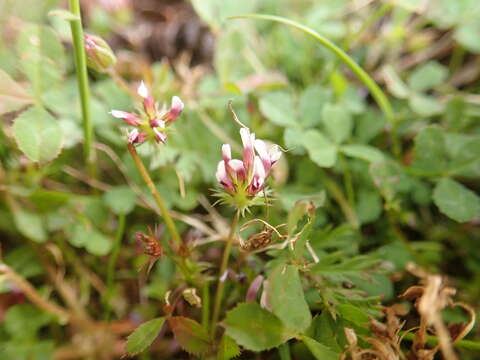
284	352
156	195
205	304
223	268
112	262
167	218
82	78
433	340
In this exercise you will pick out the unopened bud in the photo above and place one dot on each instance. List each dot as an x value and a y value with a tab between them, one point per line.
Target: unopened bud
100	56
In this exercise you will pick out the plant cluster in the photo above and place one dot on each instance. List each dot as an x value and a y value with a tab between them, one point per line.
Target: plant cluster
135	222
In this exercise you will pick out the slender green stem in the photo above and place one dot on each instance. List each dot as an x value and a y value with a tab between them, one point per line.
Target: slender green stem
112	262
284	352
221	277
156	195
82	78
206	304
433	340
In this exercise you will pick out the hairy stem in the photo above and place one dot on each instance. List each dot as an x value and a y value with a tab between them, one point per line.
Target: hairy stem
223	268
82	78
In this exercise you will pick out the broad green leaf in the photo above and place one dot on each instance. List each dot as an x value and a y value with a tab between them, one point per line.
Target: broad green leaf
12	95
30	225
326	330
38	135
364	152
91	239
144	335
320	149
24	320
227	349
467	160
293	139
427	76
279	108
312	101
455	116
64	14
425	105
191	336
353	314
468	34
120	199
41	57
255	328
320	351
24	261
430	154
337	122
301	209
456	201
394	83
286	298
369	205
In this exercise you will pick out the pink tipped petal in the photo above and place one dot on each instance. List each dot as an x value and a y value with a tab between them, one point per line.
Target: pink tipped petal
261	148
248	140
274	153
226	152
177	105
129	118
133	136
143	90
258	177
159	136
238	169
222	177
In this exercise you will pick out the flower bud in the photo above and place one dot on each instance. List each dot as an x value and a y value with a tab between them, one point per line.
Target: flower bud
100	56
175	110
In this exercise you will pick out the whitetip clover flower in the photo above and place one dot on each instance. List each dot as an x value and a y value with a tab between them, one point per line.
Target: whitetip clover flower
152	123
243	179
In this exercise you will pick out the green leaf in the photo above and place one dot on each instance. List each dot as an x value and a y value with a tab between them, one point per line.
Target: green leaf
91	239
427	76
320	351
467	160
312	101
191	336
38	135
12	95
144	335
430	155
279	108
468	34
30	225
425	105
369	205
215	12
24	321
120	199
456	201
353	314
320	149
394	83
364	152
337	122
41	57
227	349
255	328
286	298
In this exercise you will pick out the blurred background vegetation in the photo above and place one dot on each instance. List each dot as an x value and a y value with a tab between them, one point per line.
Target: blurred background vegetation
393	190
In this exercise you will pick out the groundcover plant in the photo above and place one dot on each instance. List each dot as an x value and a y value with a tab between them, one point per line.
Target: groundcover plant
255	179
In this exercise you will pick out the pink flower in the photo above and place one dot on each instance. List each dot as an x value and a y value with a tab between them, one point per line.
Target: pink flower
246	177
152	123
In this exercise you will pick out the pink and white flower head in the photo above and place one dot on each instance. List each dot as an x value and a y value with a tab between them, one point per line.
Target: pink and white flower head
243	179
152	123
